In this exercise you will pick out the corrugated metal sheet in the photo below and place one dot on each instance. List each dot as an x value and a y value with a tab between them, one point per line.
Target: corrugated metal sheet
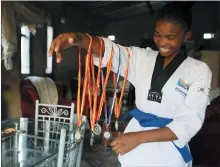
114	9
101	11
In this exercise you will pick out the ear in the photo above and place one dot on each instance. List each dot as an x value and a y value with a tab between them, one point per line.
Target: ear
188	35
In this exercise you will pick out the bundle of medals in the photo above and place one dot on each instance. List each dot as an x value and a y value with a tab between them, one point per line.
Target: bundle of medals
91	87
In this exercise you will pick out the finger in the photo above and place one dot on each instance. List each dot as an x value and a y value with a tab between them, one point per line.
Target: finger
114	143
52	47
118	151
59	57
122	152
58	50
116	147
56	43
58	47
125	149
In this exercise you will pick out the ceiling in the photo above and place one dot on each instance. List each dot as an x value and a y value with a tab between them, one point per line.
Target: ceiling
113	10
104	11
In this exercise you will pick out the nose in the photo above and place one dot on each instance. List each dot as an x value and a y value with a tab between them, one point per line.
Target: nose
162	42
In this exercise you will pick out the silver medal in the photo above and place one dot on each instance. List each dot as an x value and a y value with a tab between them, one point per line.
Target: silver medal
107	135
97	129
116	125
78	136
92	139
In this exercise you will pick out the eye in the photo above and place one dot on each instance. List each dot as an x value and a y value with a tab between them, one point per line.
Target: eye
170	38
156	34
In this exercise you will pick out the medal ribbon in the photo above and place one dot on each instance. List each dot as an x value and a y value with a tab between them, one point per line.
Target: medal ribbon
108	121
93	85
118	104
109	67
96	87
81	104
115	104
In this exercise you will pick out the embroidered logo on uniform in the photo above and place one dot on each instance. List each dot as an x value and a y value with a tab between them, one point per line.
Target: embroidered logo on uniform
203	90
182	87
182	84
154	96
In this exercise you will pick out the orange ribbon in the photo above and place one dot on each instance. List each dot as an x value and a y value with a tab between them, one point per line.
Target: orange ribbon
117	106
92	84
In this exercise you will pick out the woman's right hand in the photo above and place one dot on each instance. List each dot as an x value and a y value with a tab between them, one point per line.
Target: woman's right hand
60	43
67	40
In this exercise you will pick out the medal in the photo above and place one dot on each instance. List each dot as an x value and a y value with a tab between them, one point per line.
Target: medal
92	139
116	125
78	136
118	103
107	135
97	129
91	85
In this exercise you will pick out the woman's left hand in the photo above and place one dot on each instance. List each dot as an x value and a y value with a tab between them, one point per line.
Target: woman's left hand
125	143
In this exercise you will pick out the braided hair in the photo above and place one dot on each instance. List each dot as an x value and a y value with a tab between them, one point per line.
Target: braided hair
178	13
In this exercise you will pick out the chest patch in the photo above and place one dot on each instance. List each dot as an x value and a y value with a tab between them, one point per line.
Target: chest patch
181	87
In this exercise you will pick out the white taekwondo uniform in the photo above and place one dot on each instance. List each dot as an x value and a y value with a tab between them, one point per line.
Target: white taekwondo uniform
185	98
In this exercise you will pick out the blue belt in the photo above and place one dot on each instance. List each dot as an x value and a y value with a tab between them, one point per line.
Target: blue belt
150	120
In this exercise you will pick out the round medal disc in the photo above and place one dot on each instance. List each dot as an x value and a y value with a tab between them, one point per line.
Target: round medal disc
107	135
92	139
116	125
97	129
78	136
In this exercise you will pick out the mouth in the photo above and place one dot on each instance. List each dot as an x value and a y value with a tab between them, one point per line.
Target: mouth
164	50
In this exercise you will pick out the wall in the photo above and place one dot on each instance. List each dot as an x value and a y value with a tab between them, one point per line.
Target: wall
131	31
68	69
212	59
205	19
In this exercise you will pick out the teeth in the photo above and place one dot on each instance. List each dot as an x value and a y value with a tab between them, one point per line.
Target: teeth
164	49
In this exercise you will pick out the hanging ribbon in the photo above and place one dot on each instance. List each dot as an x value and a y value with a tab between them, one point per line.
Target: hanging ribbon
108	121
80	104
105	106
96	87
118	104
92	86
109	67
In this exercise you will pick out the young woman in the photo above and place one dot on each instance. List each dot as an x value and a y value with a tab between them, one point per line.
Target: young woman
172	91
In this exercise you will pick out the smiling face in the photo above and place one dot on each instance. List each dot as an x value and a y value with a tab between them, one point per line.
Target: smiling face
169	37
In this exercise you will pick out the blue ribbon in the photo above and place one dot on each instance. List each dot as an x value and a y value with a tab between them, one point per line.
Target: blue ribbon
108	120
150	120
